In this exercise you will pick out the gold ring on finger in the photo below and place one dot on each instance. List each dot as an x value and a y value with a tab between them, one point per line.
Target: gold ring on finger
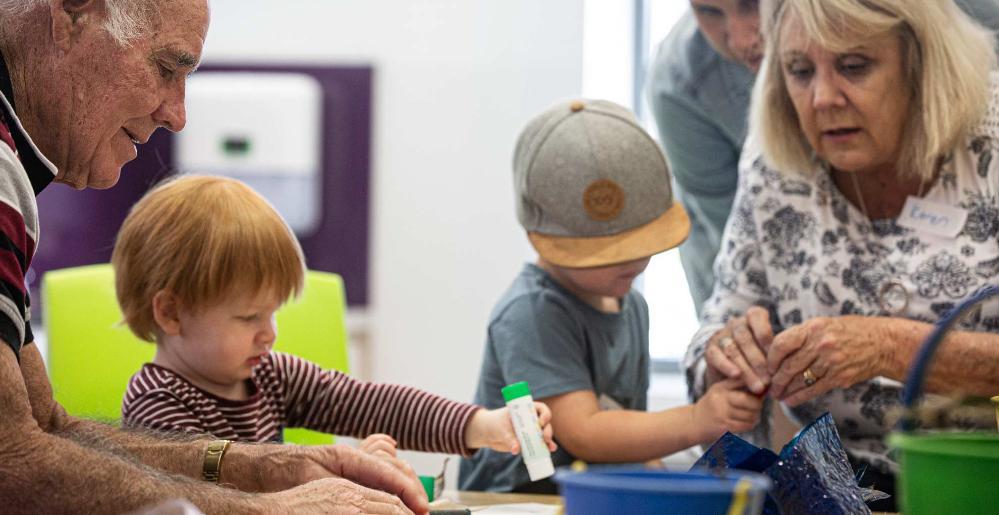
809	377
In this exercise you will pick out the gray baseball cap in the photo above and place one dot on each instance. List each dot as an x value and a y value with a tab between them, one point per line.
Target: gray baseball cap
593	189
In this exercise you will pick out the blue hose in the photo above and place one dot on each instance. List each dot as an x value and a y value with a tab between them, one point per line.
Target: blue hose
917	374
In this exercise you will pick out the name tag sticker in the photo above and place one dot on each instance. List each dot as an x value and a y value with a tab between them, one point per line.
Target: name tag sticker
932	217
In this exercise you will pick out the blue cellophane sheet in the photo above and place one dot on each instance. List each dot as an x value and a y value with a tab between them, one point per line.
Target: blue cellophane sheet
811	475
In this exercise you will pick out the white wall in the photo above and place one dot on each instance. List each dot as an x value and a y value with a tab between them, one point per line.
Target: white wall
454	83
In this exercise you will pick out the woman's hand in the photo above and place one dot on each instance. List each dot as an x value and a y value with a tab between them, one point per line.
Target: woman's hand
493	429
739	350
821	354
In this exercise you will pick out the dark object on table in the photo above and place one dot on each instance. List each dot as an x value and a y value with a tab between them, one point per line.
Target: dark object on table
811	475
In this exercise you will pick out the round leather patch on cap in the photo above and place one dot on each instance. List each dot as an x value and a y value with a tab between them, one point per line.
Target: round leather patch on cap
603	200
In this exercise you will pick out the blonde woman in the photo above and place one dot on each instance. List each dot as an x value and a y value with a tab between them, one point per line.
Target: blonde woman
873	209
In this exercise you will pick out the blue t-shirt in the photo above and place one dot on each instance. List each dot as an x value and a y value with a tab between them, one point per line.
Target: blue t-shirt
541	333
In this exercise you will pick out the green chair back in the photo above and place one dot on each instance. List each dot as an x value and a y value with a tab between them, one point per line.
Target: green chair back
92	355
313	329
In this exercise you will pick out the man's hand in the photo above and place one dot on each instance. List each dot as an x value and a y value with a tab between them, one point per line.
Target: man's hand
493	429
335	496
274	468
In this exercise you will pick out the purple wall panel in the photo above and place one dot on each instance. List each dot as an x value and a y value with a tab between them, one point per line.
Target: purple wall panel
79	227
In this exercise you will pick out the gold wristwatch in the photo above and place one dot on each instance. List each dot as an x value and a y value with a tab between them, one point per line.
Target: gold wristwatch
213	460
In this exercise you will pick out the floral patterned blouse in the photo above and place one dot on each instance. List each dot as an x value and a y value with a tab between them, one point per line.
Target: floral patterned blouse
795	245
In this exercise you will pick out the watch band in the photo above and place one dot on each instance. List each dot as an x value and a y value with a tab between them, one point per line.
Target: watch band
213	460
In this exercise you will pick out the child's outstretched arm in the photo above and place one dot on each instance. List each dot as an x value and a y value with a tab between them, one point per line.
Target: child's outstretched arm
596	435
486	428
333	402
493	429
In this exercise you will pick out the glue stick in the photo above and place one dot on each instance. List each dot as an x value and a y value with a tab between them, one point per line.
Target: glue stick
525	423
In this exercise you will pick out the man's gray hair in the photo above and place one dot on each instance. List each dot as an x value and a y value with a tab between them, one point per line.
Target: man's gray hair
126	19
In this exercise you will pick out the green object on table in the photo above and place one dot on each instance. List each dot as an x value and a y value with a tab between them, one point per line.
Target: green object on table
428	486
995	401
948	472
92	354
944	472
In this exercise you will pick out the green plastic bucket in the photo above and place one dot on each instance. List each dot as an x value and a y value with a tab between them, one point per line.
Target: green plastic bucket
948	472
944	472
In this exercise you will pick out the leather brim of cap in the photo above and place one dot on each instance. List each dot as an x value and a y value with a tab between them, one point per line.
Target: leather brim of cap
659	235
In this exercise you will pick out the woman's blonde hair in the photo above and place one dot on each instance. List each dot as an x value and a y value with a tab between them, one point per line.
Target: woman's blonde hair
947	58
203	239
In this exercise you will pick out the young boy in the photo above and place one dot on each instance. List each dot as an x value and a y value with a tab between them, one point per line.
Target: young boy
201	266
593	193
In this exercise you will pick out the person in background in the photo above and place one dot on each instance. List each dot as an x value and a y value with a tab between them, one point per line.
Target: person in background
82	84
593	193
876	119
207	294
699	88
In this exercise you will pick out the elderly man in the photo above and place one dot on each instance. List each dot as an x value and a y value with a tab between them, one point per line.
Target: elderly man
83	83
699	89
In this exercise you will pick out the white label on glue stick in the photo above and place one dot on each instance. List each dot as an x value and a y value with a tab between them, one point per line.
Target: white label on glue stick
532	444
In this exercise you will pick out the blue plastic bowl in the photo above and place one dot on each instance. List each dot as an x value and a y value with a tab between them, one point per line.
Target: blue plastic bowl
639	491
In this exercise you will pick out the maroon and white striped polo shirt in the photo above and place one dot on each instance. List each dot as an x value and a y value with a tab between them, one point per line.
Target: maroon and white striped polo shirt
24	172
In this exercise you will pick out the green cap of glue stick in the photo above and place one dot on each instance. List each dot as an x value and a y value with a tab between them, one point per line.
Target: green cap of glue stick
516	391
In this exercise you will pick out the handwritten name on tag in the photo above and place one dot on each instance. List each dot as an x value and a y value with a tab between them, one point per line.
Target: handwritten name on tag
932	217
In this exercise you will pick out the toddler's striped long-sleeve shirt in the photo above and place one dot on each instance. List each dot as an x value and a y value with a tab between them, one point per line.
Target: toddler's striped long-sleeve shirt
288	391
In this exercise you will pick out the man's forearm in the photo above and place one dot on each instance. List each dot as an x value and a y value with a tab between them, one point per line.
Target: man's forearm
46	473
42	471
176	453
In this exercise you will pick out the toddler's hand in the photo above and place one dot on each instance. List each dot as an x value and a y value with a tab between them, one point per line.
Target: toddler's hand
726	406
383	446
379	444
493	429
